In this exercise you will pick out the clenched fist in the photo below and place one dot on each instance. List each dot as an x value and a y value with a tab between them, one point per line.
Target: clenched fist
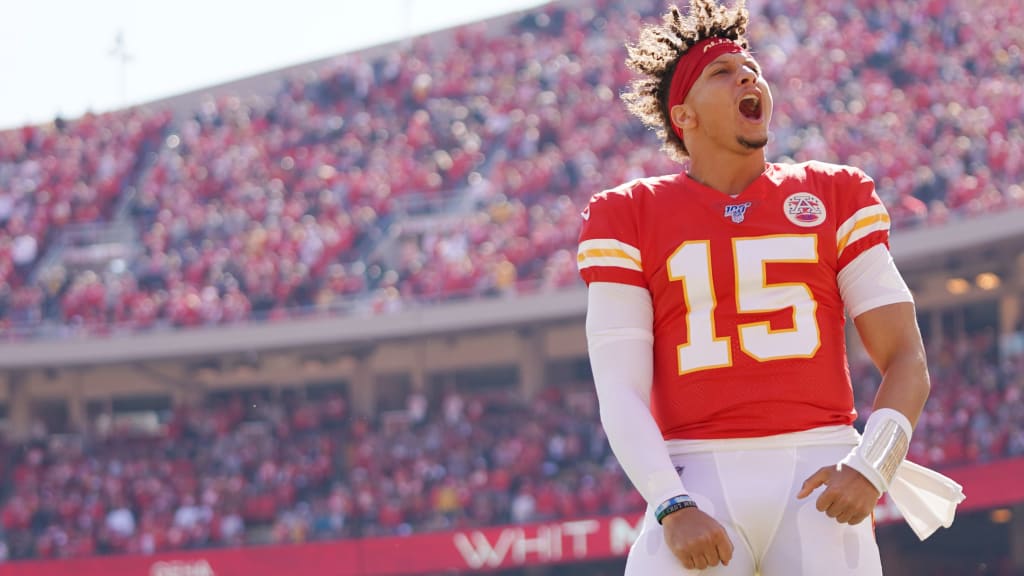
696	539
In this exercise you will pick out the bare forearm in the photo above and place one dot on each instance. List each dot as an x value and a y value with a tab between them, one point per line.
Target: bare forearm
905	386
892	339
887	432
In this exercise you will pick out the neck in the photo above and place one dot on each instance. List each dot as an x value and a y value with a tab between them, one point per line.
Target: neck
728	173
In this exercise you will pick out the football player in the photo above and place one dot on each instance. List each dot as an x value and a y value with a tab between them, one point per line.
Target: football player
717	299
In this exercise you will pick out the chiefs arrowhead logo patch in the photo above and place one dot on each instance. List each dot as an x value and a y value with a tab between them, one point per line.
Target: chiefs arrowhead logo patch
804	209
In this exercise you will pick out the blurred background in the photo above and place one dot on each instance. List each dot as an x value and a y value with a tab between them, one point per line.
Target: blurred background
325	319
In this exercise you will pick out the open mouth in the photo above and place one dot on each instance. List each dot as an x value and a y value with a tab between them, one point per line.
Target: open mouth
750	107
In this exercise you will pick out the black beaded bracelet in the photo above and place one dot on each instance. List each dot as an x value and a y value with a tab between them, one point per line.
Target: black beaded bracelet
673	504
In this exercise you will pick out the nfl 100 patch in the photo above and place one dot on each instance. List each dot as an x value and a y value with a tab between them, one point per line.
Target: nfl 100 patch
736	212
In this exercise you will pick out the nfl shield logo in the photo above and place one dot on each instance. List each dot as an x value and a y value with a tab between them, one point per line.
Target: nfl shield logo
737	212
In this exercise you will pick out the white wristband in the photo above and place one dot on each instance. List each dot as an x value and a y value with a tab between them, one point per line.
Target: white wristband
882	448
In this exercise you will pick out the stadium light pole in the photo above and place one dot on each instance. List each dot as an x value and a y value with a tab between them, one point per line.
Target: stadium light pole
407	19
120	53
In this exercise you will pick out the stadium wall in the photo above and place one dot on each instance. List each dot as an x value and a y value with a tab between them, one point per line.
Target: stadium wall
466	551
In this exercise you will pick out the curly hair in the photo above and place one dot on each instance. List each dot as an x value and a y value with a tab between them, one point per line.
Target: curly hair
657	52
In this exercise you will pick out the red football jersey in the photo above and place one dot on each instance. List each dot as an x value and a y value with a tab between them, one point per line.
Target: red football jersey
748	320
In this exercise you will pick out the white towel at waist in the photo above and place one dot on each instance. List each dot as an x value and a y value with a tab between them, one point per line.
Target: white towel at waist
926	499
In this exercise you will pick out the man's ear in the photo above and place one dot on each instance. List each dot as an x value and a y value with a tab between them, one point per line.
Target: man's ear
683	117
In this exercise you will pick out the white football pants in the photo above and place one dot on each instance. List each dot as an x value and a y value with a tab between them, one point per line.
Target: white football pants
750	487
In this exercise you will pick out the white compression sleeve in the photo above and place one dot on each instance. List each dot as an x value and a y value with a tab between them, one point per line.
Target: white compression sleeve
871	280
620	340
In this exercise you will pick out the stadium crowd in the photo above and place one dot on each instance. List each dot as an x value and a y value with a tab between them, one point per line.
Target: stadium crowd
267	206
250	469
452	166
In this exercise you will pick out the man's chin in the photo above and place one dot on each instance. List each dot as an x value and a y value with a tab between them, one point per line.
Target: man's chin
753	143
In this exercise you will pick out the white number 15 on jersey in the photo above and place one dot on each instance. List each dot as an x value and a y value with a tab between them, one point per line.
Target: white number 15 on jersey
691	265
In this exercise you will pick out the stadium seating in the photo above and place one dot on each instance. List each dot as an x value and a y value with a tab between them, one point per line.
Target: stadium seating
306	201
310	190
66	173
248	471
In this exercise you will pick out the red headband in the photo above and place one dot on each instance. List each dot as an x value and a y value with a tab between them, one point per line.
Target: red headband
692	63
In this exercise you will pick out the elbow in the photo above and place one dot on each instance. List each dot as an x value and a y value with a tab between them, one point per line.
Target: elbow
612	403
909	364
913	365
926	380
923	385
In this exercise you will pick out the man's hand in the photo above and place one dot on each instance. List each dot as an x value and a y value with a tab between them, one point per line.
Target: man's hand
849	496
697	540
